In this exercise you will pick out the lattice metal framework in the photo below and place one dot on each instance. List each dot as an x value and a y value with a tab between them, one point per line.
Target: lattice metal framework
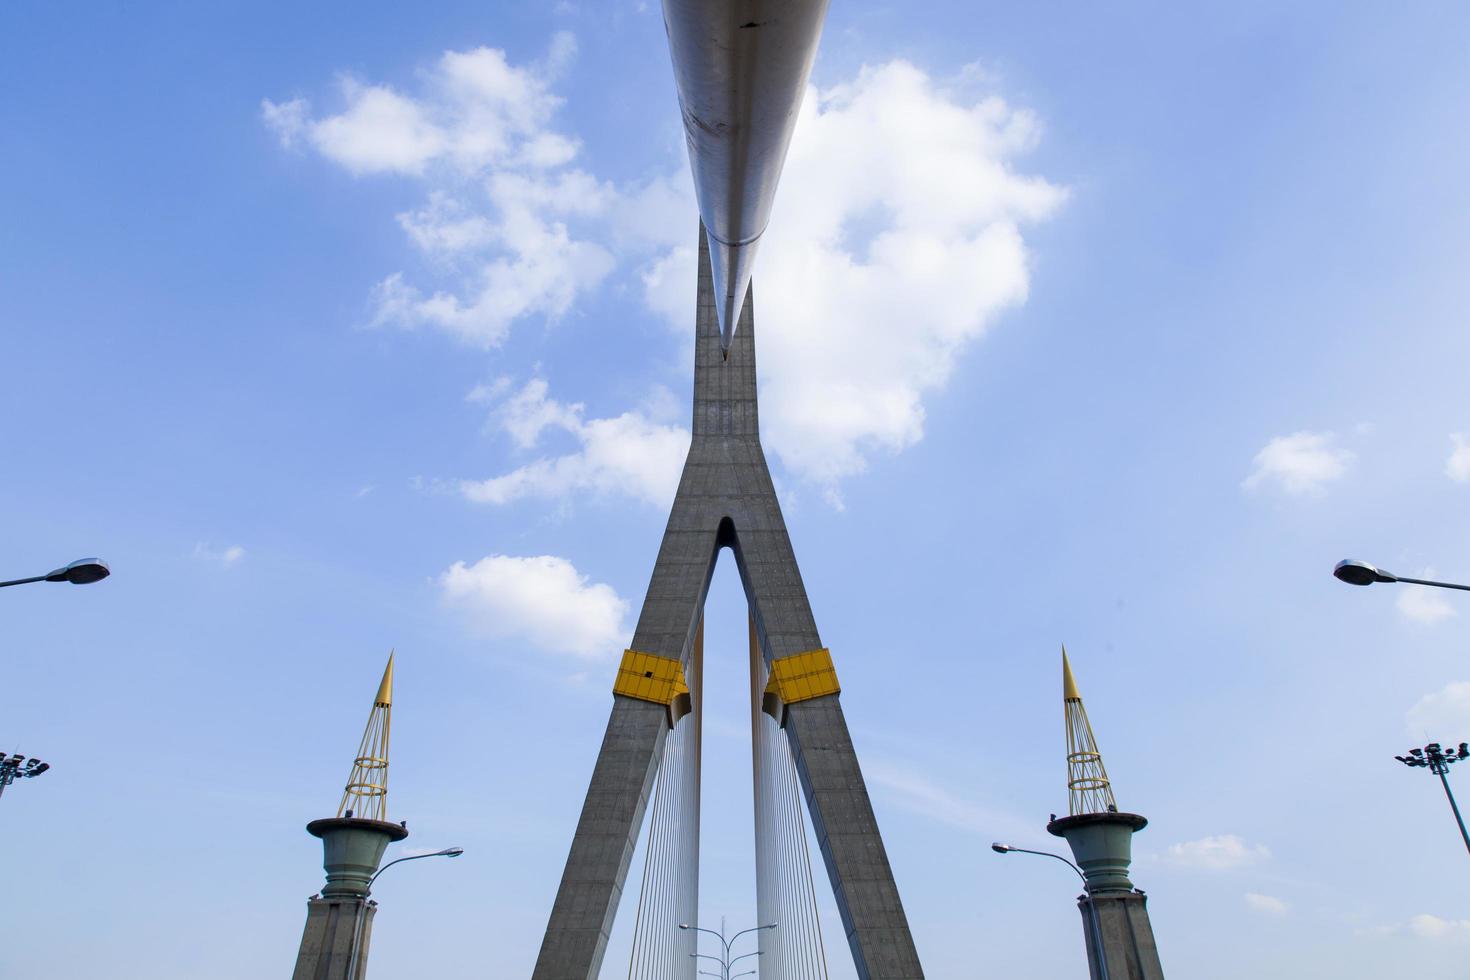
366	793
1088	788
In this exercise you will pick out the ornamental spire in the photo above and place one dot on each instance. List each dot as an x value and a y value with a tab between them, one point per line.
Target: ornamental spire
1088	788
366	795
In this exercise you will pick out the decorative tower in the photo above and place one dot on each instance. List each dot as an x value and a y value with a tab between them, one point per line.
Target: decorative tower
339	921
1120	939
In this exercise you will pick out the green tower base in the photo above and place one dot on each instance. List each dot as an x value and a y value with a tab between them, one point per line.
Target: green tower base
334	945
1102	844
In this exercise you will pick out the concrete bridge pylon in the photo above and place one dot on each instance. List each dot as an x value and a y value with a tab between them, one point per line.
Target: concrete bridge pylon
726	499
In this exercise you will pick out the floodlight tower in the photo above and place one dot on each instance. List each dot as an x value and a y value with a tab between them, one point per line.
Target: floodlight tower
1438	761
19	767
339	921
1114	913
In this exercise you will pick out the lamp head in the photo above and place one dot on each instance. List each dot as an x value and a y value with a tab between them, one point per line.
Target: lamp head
1355	572
1000	848
84	571
452	852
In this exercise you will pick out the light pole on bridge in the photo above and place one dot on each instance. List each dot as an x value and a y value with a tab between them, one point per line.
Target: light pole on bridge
1431	756
725	944
451	852
85	571
1355	572
1102	959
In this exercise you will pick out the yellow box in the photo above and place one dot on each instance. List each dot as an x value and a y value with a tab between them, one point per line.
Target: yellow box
803	676
650	678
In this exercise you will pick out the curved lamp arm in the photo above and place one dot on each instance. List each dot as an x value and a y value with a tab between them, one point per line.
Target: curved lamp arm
752	929
1007	848
1097	940
452	852
719	936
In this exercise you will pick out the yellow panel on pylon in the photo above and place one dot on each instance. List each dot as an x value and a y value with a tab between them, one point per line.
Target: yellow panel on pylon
803	676
650	678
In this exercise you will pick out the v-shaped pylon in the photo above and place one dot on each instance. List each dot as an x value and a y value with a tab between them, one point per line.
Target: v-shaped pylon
725	499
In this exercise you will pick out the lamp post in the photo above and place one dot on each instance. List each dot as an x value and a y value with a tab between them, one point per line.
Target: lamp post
1438	761
725	944
19	767
1355	572
84	571
452	852
1097	943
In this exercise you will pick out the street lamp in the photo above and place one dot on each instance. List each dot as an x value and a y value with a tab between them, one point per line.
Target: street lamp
1102	958
725	961
19	767
1438	761
1355	572
450	852
81	572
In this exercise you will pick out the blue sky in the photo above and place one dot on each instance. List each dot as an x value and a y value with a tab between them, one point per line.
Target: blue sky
1120	326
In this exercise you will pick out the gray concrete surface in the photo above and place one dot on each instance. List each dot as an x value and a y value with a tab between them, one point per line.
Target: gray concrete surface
726	499
326	942
1127	936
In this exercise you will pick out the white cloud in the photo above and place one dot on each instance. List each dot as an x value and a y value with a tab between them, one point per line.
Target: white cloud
1266	904
630	454
897	240
222	556
543	600
1457	467
1300	464
895	245
380	132
287	119
500	206
1443	714
1224	852
1423	604
1433	927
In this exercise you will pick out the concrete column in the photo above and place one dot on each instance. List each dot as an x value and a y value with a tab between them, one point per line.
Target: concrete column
326	943
1102	845
339	920
1127	936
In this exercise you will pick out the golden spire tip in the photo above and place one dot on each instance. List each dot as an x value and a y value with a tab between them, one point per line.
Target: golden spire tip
385	689
1069	683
